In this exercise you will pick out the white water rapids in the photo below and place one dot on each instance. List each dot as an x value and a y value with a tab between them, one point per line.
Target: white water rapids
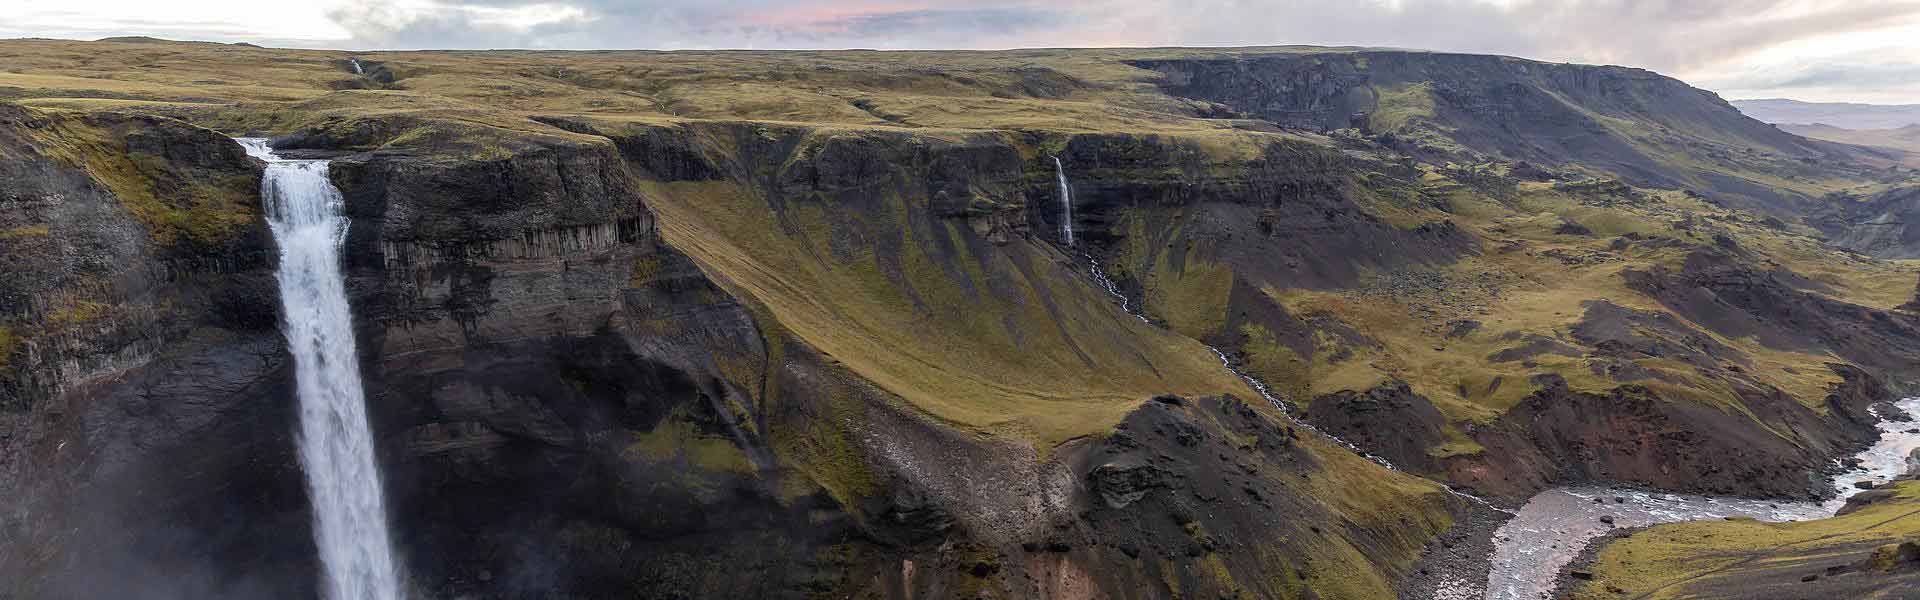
1555	525
336	443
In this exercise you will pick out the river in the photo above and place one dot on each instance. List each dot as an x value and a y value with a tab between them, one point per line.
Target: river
1556	525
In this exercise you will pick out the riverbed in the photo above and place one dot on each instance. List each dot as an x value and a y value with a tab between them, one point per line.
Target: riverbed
1556	525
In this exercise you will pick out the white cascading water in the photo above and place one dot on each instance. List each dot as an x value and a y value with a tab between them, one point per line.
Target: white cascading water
1066	204
336	443
1557	524
356	66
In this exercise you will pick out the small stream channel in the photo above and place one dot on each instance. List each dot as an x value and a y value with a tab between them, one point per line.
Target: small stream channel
1556	525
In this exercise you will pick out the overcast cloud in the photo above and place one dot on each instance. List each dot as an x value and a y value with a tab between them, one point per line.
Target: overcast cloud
1860	50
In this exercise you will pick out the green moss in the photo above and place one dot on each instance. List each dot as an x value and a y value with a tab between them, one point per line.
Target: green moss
1192	298
8	343
1170	576
645	268
1456	448
1215	568
26	231
992	338
1693	559
830	454
1279	366
77	313
677	438
174	204
1400	106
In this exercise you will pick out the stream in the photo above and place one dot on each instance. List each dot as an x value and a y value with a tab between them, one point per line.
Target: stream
1557	524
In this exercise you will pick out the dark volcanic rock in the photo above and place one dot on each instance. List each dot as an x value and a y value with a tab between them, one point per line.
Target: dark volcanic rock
1389	420
1886	224
145	439
1719	291
1541	113
1181	508
1631	435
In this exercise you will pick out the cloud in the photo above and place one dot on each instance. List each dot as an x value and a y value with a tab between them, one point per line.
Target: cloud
683	24
1872	76
1743	45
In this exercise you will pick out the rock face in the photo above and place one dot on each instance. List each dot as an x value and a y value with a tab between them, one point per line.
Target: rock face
1630	435
1718	290
1878	225
613	357
1389	420
1517	109
1167	479
570	403
143	378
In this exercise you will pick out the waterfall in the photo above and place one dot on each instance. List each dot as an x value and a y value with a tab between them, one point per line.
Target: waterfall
336	444
356	66
1066	204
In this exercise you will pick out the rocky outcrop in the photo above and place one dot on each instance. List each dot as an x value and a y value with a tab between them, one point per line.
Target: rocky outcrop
569	401
1717	289
1390	421
1516	109
143	384
1289	213
1167	484
676	357
1879	225
1630	435
1633	435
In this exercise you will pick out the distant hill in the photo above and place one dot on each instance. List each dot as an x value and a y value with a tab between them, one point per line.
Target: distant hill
1905	138
1847	115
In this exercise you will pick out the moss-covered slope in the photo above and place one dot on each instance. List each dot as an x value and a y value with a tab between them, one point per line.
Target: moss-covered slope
1868	551
659	319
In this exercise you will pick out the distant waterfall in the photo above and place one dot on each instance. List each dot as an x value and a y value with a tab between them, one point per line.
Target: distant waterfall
336	444
356	66
1066	204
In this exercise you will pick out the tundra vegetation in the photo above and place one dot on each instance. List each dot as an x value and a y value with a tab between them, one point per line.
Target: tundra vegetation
795	324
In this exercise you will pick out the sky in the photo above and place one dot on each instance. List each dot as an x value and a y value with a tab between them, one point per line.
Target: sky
1817	50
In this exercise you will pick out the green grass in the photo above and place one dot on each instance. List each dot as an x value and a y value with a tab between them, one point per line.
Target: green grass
174	205
26	231
1679	560
1006	364
8	343
1399	106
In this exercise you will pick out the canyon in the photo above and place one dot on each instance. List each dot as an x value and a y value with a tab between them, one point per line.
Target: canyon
924	324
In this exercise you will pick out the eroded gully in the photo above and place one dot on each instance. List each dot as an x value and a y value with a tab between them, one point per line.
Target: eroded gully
1554	526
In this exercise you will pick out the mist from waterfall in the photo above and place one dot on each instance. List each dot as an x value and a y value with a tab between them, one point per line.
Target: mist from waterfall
1066	204
336	443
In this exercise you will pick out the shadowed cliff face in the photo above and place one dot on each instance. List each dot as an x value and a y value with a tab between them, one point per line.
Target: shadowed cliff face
831	359
143	382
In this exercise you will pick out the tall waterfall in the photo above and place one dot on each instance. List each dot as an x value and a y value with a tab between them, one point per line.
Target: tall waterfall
1066	204
356	66
336	444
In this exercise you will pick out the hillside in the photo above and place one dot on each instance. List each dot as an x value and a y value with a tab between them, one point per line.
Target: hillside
1905	138
1868	551
635	323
